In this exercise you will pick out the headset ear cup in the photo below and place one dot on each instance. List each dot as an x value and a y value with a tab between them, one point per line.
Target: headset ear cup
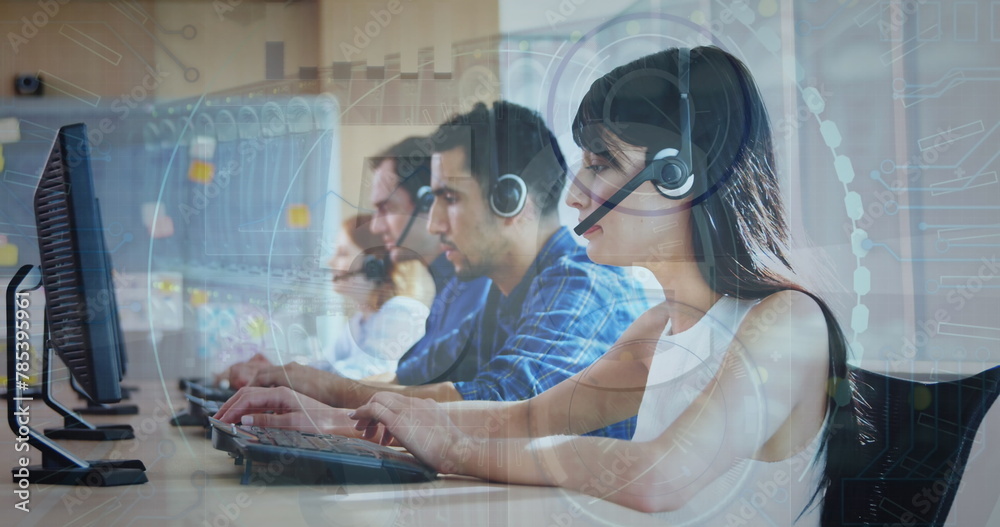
672	177
375	269
508	196
425	198
669	187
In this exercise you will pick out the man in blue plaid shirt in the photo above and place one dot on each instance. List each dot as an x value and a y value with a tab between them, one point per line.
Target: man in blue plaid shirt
497	176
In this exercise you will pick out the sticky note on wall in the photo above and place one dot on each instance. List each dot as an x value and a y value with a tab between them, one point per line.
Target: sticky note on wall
199	297
8	255
201	171
202	151
299	216
158	224
10	130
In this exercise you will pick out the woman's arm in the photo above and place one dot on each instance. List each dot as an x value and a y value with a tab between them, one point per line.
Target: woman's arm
608	391
736	416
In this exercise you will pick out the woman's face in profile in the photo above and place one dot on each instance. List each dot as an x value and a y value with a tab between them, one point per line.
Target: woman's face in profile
644	227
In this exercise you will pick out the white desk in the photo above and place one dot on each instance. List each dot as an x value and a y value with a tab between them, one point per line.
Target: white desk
192	484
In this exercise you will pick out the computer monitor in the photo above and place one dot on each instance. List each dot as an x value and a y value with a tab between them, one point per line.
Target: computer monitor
81	318
80	305
94	406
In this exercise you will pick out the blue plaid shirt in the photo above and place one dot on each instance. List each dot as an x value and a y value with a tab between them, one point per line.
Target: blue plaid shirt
564	314
450	321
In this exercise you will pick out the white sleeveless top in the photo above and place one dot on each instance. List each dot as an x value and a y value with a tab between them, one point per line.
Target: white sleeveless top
752	492
370	347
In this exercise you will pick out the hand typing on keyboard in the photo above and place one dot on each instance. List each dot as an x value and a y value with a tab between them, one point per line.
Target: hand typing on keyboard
242	373
422	426
282	407
317	384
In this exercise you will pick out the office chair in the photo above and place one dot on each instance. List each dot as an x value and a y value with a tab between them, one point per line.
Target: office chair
905	464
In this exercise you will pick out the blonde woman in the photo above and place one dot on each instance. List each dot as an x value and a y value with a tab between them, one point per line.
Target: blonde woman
386	304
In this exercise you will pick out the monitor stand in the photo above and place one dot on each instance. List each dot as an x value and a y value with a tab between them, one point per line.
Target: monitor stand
126	391
100	408
194	415
59	467
75	427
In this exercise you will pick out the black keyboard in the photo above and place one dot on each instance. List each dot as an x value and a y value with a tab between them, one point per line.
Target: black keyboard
328	443
206	406
302	457
209	392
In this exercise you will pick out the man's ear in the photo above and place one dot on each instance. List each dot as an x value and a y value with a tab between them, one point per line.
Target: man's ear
529	215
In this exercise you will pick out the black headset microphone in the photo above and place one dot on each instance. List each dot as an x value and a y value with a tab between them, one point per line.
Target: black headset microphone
670	171
376	268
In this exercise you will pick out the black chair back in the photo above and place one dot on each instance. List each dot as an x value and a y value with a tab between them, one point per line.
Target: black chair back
913	443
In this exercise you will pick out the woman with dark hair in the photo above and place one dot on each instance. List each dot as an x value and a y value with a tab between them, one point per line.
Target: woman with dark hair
734	377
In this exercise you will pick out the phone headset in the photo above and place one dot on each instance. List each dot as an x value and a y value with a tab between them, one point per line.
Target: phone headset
508	192
376	268
670	171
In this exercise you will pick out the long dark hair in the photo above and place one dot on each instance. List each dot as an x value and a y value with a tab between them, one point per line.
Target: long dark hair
739	233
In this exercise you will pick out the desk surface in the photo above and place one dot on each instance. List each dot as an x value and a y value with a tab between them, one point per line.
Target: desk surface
192	484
